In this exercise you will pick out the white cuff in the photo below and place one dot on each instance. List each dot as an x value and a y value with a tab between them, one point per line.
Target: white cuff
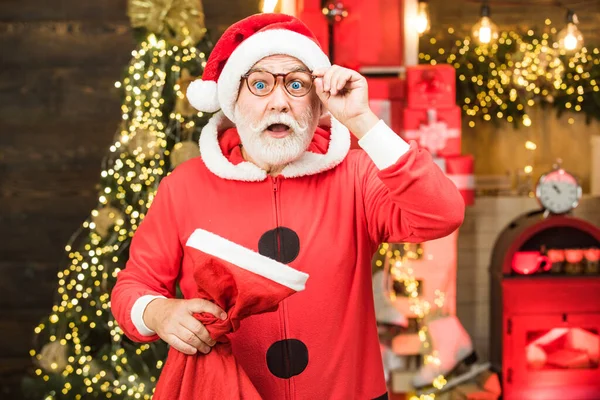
383	145
137	313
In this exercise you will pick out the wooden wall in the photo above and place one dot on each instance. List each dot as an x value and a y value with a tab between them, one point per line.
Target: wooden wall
58	113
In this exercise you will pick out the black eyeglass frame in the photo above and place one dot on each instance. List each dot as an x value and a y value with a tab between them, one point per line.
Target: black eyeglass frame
276	77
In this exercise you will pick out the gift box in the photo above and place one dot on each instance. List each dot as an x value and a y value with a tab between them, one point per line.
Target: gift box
437	130
460	171
430	86
386	88
370	35
386	100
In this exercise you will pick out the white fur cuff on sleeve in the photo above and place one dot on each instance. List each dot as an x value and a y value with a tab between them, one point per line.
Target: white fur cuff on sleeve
383	145
137	313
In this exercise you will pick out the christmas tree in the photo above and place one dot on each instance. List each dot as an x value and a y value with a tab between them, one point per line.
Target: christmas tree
79	350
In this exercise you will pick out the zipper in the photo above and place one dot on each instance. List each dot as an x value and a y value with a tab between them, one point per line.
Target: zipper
286	356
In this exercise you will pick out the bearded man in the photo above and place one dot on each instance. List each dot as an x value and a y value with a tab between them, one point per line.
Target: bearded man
273	181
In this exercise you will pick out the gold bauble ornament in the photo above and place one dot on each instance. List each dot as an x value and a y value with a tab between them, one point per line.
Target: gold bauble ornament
106	218
182	105
180	20
143	141
184	151
53	357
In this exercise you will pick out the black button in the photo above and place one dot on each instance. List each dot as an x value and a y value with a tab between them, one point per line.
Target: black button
281	244
287	358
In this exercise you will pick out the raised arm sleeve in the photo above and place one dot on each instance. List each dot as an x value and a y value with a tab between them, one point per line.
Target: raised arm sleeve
407	197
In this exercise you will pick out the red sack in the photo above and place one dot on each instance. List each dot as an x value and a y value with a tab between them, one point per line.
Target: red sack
243	283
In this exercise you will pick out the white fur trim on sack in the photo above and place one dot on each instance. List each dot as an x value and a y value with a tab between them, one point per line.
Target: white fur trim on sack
261	45
247	259
308	164
203	95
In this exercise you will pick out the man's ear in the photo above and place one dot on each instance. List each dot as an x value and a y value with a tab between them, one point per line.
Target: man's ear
325	117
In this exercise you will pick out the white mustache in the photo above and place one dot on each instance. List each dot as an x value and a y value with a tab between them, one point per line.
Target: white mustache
280	118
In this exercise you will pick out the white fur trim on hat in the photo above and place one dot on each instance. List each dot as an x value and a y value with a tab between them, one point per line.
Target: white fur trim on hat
203	95
258	46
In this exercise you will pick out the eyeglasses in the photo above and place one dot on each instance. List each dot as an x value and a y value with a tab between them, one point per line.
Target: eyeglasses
262	83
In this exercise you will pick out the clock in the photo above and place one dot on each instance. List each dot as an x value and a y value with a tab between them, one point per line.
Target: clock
558	191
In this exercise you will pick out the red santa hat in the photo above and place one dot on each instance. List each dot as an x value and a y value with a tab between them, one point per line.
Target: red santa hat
244	44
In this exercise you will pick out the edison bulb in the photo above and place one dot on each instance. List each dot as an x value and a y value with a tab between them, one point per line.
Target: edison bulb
485	31
421	21
570	38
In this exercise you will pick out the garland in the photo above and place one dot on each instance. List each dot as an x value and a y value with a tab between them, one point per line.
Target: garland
501	81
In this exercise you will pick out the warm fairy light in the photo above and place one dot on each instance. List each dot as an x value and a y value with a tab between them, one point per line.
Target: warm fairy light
398	263
528	169
529	145
515	72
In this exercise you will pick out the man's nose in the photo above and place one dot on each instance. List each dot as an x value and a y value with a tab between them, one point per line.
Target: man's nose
279	99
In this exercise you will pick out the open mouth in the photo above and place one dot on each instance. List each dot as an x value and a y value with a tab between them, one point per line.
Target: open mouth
278	128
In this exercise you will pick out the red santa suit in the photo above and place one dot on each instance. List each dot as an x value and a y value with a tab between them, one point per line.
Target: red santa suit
324	215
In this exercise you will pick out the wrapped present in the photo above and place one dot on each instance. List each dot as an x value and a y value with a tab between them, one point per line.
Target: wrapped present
460	170
371	34
437	130
386	88
430	86
386	100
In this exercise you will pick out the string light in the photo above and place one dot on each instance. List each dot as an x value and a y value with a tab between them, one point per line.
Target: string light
570	38
397	265
485	31
421	21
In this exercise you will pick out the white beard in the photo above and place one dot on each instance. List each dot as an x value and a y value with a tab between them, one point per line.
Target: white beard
268	151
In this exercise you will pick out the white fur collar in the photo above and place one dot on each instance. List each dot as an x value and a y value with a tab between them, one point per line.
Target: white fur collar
308	164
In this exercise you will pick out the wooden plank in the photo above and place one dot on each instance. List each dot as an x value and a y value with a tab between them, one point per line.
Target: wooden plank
32	10
12	370
37	279
65	43
50	94
36	237
49	142
17	327
31	230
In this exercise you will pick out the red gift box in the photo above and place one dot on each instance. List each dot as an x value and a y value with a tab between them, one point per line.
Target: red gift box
431	86
386	88
437	130
386	100
371	34
460	171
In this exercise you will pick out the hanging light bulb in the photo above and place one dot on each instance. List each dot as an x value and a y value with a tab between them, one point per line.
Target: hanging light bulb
485	31
269	6
570	38
421	21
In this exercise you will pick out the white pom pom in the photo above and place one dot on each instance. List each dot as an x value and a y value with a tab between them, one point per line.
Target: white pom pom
203	96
